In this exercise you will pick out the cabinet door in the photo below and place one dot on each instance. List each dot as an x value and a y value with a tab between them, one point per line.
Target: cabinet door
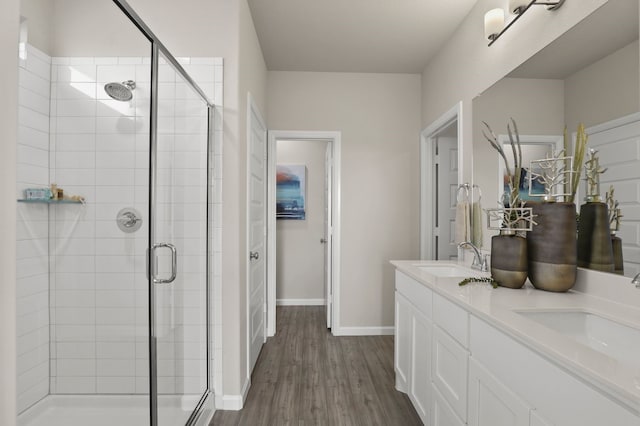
449	371
536	419
420	382
402	352
442	413
491	403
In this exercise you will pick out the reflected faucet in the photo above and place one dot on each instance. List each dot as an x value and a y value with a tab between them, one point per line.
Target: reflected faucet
479	260
636	280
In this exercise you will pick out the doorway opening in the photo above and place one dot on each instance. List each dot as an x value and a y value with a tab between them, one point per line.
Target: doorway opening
440	174
314	235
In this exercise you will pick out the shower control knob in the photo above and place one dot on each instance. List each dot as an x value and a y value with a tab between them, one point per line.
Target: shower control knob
129	220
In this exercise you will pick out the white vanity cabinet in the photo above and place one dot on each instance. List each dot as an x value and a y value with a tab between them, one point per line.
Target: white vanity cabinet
511	378
462	365
413	330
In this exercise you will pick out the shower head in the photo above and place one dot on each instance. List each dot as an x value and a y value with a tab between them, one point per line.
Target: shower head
121	91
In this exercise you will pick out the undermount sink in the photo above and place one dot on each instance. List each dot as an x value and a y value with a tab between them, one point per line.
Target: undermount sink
445	270
611	338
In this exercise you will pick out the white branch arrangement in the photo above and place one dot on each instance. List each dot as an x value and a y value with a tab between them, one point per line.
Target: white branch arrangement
592	173
556	171
516	219
615	213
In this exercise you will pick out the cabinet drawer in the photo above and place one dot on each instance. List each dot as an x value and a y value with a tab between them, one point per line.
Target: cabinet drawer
451	318
449	371
419	295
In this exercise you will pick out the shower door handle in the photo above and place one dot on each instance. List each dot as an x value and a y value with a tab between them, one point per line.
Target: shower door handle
174	263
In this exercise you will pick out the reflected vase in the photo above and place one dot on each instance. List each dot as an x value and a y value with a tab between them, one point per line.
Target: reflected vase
509	259
552	246
595	250
618	260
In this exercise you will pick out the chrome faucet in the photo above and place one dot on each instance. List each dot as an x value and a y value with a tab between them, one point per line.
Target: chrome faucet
636	280
479	260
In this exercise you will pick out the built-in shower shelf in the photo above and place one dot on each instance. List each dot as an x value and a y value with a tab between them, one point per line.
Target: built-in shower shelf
49	201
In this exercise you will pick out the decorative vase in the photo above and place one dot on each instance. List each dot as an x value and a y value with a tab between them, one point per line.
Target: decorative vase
595	250
552	246
509	259
618	261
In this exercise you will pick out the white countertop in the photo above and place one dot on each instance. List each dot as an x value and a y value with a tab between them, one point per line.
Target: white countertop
498	307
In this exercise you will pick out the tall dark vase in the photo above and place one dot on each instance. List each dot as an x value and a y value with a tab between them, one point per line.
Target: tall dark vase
618	261
552	246
509	260
595	250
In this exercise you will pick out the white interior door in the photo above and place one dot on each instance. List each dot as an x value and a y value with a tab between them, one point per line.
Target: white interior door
446	190
328	241
257	191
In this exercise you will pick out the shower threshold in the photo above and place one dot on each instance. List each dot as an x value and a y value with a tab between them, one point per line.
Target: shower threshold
106	410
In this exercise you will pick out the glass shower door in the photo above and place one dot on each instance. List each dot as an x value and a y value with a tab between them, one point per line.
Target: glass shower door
179	249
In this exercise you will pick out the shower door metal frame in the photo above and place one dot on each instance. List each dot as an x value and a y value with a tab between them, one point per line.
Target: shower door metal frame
158	48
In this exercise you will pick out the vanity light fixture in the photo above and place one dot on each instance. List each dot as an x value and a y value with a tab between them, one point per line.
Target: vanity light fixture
494	19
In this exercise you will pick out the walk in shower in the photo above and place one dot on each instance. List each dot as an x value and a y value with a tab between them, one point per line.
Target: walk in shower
115	169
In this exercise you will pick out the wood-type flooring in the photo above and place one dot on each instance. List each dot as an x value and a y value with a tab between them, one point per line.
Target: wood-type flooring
306	376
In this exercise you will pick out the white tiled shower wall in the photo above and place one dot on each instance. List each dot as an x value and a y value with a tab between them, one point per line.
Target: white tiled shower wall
99	149
33	230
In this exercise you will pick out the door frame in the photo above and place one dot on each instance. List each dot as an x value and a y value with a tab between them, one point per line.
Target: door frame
427	171
253	112
334	140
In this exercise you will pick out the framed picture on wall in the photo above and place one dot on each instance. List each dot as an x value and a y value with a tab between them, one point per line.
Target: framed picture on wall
291	191
534	147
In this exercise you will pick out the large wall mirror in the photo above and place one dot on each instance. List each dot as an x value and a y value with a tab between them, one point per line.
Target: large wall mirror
589	75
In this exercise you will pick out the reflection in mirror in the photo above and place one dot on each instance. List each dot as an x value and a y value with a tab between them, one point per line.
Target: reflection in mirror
589	75
440	158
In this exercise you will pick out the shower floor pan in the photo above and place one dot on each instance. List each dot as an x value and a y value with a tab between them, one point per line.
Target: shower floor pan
103	410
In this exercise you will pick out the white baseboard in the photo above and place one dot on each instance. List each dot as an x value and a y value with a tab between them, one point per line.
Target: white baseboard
364	331
233	402
300	302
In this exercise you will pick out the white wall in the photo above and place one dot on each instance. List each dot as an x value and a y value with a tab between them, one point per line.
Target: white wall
300	255
604	90
379	117
9	23
38	14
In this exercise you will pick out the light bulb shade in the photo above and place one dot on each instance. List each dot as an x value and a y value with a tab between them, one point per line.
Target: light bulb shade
517	6
493	23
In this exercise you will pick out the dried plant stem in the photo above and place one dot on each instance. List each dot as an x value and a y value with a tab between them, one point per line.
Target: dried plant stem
517	159
567	163
493	140
578	160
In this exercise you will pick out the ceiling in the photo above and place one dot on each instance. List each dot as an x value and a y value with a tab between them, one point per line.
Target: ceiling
384	36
